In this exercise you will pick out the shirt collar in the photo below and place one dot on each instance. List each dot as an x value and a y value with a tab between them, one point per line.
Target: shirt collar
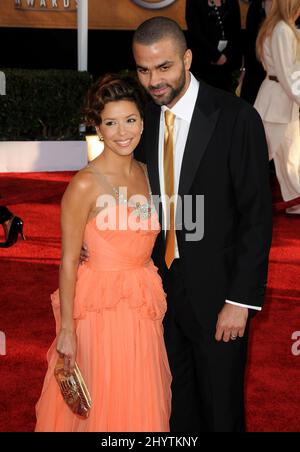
184	108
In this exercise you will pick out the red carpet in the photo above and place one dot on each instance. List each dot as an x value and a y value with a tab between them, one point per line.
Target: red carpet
29	273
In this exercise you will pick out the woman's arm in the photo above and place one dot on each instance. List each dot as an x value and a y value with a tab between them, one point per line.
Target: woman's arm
75	207
283	44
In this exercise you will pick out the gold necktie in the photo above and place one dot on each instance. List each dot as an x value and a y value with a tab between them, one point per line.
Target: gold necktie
169	186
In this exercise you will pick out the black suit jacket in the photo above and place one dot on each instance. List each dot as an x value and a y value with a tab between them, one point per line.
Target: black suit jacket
226	160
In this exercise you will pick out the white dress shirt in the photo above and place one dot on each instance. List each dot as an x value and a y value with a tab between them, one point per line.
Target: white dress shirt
183	110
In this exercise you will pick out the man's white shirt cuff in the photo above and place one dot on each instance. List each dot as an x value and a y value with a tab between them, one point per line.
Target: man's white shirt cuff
257	308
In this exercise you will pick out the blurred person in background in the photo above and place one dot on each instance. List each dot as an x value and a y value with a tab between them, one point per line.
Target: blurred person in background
254	70
214	35
278	100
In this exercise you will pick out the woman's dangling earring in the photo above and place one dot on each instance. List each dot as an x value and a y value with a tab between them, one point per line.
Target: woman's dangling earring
99	134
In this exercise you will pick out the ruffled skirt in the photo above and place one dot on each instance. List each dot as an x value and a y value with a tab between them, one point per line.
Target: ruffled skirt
120	352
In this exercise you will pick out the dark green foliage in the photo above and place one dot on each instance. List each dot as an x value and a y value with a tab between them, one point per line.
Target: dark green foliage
42	105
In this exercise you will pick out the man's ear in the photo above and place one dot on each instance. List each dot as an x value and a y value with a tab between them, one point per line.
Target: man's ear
188	58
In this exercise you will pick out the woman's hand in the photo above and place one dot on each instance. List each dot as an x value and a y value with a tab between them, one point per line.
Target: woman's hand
66	346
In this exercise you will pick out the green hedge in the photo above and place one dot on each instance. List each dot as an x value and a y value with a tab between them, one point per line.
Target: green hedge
42	105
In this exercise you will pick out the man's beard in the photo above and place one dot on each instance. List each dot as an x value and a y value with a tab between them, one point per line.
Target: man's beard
175	91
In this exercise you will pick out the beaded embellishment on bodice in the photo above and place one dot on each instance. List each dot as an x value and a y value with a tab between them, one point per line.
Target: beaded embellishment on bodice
144	210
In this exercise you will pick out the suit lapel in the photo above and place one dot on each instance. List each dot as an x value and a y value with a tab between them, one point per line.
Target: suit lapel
202	126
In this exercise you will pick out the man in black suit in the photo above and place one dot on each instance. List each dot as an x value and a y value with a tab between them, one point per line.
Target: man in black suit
215	280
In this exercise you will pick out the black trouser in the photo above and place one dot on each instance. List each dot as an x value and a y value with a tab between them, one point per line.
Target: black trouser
208	376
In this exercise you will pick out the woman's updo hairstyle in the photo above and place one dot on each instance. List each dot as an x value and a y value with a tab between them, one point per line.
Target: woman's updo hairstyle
112	88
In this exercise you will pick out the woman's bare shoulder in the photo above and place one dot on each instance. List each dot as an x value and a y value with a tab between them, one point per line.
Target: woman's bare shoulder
82	184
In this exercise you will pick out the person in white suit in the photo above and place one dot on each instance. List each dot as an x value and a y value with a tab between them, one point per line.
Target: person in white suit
278	100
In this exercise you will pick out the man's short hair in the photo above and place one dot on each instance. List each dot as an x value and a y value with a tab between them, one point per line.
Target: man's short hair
158	28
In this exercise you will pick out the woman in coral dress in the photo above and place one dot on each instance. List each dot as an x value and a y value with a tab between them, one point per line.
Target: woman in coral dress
109	311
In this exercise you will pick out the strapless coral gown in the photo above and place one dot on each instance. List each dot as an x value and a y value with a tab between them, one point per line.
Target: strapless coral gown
118	310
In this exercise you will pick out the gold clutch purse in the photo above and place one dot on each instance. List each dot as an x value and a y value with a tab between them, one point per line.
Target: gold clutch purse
73	389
